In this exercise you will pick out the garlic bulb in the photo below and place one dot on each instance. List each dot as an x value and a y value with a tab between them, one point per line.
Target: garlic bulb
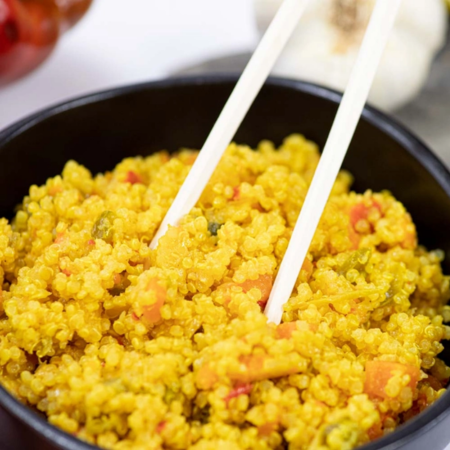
325	45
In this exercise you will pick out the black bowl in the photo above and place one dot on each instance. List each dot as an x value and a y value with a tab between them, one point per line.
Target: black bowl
101	129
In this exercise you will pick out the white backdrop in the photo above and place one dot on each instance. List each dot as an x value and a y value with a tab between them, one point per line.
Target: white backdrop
116	45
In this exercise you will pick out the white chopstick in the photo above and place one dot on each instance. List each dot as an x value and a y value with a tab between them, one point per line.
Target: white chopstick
349	113
236	108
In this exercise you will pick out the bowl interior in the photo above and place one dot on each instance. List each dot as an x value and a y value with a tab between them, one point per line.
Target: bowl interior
104	128
100	130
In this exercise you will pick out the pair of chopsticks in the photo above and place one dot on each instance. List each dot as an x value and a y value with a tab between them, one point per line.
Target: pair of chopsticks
343	129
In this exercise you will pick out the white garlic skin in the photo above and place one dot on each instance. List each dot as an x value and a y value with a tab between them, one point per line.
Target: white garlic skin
325	45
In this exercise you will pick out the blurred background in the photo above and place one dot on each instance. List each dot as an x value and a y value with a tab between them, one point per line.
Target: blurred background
121	42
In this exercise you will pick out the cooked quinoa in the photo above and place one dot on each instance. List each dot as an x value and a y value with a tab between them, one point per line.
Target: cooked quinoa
131	348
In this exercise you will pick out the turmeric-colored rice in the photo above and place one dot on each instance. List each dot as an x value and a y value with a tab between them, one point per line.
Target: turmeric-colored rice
131	348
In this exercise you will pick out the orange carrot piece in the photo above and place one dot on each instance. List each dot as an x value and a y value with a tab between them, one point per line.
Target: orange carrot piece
357	213
361	212
153	312
378	374
133	177
263	283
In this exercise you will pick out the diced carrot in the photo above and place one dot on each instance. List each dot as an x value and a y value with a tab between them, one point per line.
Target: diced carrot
285	330
378	374
152	313
133	177
254	366
361	212
91	242
244	389
357	213
206	377
267	429
236	193
263	283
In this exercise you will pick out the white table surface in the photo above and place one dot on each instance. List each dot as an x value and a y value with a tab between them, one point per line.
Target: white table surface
143	40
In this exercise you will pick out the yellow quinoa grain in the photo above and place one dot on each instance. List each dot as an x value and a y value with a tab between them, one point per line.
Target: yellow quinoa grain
131	348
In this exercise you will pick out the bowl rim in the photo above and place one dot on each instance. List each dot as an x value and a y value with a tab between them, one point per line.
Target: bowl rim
422	423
